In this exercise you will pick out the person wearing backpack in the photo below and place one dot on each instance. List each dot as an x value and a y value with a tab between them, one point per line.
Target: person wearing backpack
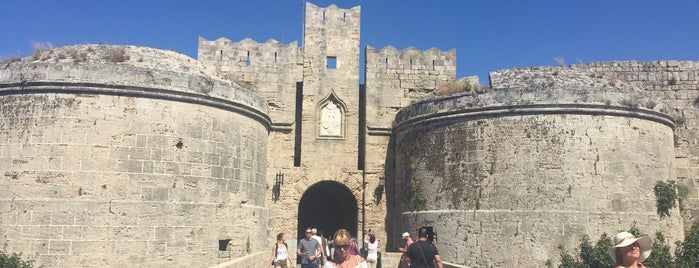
280	253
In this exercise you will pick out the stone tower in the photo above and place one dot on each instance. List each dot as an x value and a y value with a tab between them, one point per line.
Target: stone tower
329	123
123	155
313	96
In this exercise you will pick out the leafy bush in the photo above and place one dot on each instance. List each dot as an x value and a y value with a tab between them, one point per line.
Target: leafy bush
590	256
596	257
665	194
13	260
686	254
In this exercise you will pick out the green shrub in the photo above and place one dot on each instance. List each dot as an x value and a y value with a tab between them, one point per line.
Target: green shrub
13	260
590	256
686	254
665	194
660	256
596	257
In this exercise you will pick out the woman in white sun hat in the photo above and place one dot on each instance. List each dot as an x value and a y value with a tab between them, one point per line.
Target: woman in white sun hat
629	251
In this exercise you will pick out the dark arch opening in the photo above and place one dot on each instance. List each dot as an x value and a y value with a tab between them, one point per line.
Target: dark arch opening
327	206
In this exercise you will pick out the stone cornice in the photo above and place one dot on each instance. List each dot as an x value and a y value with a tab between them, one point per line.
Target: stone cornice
467	114
134	91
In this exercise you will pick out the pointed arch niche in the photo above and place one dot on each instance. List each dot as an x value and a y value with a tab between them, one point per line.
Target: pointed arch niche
331	117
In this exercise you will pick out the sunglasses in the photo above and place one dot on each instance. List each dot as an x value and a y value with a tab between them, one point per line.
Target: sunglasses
345	247
309	232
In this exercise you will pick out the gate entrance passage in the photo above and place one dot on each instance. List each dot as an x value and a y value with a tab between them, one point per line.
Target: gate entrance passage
327	206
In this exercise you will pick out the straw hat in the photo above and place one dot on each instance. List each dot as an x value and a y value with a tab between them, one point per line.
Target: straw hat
624	239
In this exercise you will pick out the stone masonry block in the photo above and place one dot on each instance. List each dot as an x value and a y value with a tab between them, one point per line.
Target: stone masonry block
129	166
91	247
97	164
154	194
172	168
141	140
57	247
195	157
73	138
148	167
135	247
72	232
212	159
129	140
121	153
201	170
139	153
216	172
185	169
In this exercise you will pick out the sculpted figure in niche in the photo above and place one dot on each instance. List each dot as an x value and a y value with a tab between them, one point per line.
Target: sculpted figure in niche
330	120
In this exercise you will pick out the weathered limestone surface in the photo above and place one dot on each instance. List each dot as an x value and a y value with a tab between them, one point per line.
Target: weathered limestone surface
672	84
270	69
149	160
113	155
508	176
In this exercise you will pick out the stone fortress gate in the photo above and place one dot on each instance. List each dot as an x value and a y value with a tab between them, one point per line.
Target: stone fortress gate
123	155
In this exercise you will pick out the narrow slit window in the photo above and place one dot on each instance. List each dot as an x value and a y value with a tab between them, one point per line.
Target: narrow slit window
411	64
386	63
332	62
223	244
344	17
220	55
432	65
247	59
323	16
275	57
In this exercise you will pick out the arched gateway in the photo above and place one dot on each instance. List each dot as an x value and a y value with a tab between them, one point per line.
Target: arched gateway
327	206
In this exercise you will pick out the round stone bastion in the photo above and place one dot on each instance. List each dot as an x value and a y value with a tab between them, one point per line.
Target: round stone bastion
115	156
510	176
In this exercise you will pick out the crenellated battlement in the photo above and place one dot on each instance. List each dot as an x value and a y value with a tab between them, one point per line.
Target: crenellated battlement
270	68
430	60
247	53
396	78
332	16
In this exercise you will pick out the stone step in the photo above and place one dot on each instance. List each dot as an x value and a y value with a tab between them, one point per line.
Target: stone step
390	259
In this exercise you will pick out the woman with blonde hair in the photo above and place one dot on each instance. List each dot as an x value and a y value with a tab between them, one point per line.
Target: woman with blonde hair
280	253
343	258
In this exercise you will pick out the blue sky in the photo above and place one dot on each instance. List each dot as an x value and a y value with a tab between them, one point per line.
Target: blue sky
488	35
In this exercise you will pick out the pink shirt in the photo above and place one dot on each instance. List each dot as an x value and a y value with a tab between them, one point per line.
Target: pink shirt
407	243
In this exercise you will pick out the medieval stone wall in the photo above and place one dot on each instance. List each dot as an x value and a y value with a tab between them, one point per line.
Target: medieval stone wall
396	78
673	83
508	176
120	156
271	69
